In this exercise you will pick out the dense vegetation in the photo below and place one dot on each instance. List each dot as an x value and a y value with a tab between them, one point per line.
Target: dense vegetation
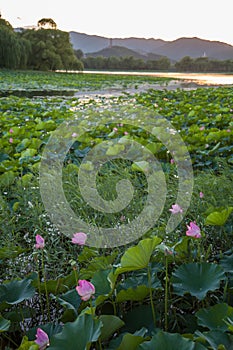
186	64
43	49
131	63
125	63
204	64
166	290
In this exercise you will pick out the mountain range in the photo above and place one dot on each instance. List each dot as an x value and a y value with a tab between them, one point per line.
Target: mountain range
174	50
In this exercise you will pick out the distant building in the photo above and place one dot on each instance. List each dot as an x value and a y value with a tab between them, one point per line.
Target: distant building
110	43
21	29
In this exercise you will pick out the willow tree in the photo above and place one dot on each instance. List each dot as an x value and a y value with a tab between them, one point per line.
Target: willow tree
51	50
13	50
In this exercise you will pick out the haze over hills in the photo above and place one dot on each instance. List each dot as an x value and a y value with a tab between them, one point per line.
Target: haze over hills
175	50
122	51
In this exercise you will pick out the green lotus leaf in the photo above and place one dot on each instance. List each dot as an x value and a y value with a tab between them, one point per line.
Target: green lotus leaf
7	178
218	218
217	339
138	257
16	291
213	317
197	279
142	166
168	341
28	345
4	324
137	294
111	324
71	300
130	341
77	335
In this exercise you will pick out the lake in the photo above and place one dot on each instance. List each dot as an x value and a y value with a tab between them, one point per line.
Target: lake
199	78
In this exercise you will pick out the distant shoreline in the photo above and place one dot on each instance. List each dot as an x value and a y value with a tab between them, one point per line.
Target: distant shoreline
199	78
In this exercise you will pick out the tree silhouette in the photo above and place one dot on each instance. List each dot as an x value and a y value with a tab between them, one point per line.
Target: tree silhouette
47	23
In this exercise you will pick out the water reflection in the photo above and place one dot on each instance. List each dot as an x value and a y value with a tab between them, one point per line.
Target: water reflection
199	78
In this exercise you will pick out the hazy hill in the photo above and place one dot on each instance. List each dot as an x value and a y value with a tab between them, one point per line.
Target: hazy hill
193	47
92	43
120	51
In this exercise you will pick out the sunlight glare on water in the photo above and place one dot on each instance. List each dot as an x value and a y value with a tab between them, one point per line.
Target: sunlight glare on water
200	78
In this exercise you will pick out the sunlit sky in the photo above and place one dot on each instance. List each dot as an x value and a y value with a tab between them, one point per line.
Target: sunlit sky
165	19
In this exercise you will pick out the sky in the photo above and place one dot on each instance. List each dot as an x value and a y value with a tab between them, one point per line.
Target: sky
164	19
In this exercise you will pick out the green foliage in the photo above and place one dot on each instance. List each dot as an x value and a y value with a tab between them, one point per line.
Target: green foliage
197	279
138	257
203	64
14	51
51	50
121	58
111	324
166	341
214	317
219	217
4	324
16	291
216	340
121	304
28	345
77	335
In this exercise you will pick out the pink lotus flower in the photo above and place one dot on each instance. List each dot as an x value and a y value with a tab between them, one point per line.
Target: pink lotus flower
193	230
176	209
126	133
79	238
172	161
74	134
11	140
115	129
85	289
42	339
11	131
202	128
201	194
39	242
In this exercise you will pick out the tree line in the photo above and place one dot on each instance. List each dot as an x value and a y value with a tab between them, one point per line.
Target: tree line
50	49
42	49
203	64
125	63
186	64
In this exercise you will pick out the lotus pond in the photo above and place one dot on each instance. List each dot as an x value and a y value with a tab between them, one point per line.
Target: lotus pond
163	291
